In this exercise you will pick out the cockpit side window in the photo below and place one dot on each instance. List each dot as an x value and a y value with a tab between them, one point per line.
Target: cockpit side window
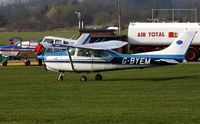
101	54
84	52
48	41
18	44
58	41
65	42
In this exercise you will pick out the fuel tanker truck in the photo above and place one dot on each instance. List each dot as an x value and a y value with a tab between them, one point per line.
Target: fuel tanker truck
144	37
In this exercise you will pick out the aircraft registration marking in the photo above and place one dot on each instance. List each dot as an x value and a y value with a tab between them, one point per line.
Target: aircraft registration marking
136	61
51	50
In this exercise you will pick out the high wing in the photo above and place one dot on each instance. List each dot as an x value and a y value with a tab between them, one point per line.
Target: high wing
108	45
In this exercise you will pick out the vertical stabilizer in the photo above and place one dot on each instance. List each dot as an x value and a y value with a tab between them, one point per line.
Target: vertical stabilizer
83	39
181	44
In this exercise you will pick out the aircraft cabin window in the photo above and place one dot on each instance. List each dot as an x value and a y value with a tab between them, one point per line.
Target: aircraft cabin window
100	54
58	42
49	41
84	52
65	42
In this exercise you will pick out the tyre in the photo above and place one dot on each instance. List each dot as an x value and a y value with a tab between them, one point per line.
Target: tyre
83	78
192	55
140	50
27	63
5	63
98	77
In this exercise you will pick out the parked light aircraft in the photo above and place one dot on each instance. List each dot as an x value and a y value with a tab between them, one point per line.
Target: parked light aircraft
25	49
99	57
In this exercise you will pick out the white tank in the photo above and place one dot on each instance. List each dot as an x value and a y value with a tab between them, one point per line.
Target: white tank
159	33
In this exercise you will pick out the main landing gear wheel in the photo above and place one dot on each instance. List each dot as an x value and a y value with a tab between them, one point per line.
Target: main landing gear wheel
83	78
98	77
60	77
4	63
27	62
192	55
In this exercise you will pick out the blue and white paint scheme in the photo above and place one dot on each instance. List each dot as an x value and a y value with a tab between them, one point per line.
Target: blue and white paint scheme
51	48
27	48
99	57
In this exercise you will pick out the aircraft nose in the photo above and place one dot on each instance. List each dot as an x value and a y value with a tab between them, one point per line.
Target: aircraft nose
41	57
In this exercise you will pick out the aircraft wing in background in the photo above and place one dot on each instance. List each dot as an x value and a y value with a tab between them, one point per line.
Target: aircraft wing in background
108	45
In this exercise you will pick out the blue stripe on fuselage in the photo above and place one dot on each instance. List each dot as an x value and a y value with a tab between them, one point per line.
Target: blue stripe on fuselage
164	56
7	47
57	54
86	39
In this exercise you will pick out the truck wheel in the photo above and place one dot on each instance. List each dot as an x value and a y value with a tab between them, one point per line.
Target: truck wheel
140	50
192	55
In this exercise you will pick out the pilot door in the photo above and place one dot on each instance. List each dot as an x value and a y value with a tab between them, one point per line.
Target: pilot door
83	61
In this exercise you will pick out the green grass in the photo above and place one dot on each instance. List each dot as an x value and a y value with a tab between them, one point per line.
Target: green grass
71	33
161	95
5	36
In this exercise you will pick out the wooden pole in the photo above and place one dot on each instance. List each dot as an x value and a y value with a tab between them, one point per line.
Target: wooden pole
119	17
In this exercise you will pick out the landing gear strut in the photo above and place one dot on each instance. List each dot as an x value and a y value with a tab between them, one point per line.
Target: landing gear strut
98	77
61	76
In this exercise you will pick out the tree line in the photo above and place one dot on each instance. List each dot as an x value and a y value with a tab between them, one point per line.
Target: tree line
50	14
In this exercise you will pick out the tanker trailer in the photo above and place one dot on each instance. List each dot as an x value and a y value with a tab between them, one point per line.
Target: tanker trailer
145	37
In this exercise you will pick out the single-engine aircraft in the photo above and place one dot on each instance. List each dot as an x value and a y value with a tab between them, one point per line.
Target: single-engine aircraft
25	49
99	57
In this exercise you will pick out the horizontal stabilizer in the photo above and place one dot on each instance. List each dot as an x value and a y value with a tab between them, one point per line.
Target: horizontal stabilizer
167	61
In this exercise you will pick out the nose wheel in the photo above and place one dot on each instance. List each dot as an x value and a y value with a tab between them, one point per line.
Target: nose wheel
83	78
60	77
98	77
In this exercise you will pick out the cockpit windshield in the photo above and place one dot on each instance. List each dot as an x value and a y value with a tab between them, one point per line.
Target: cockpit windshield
101	54
84	53
18	43
97	54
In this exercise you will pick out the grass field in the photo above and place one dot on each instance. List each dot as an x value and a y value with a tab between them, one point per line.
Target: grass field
5	36
71	33
161	95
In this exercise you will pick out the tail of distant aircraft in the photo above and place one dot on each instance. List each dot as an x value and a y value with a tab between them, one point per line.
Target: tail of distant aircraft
83	39
179	46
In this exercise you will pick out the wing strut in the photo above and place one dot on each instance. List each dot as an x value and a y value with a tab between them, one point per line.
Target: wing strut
70	58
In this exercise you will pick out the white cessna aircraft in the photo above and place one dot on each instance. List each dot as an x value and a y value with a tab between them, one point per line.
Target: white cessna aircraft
22	50
99	57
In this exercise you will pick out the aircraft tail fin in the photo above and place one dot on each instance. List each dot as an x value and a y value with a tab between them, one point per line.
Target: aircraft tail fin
181	44
83	39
